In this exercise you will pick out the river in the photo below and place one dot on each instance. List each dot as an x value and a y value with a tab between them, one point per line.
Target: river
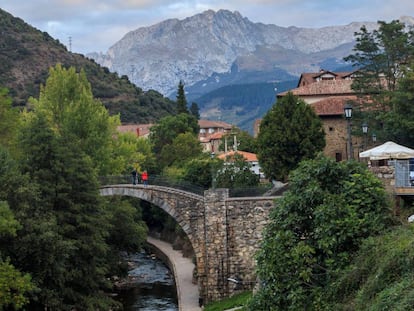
154	287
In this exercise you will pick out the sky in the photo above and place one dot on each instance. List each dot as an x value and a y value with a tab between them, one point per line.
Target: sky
95	25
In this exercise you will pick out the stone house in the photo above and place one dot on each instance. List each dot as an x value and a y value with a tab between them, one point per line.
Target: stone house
211	133
328	92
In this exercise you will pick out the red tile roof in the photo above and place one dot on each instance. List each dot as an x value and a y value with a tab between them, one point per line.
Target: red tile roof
214	124
331	106
324	87
250	157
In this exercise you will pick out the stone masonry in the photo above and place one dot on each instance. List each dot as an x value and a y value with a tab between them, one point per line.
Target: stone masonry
225	233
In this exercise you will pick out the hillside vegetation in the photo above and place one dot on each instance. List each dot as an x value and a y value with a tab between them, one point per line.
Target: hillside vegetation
26	54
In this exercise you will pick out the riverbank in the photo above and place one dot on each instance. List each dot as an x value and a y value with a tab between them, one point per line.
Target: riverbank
187	292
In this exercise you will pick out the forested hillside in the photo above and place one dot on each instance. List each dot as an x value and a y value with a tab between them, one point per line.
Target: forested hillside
26	54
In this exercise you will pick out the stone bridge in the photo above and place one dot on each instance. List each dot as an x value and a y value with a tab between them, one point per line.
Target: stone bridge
224	232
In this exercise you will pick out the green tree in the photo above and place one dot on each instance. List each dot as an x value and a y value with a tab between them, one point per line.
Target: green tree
245	141
199	171
183	148
181	100
195	110
14	285
289	133
235	173
168	129
69	259
9	119
382	57
314	232
68	104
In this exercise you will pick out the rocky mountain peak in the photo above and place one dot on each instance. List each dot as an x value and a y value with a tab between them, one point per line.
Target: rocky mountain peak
217	42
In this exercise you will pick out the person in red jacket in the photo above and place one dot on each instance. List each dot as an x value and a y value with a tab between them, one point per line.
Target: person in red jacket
144	178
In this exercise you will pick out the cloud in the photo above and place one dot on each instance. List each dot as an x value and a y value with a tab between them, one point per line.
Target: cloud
95	25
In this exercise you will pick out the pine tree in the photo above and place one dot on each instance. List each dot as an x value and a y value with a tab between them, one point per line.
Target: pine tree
181	100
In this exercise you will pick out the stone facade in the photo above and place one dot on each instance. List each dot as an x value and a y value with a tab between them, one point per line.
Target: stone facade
225	233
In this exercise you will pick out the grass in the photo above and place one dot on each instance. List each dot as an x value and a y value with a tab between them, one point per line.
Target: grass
229	303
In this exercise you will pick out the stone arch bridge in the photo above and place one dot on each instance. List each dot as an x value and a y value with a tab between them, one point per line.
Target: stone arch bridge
224	232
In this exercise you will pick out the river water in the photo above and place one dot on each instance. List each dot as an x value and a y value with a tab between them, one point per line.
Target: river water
153	285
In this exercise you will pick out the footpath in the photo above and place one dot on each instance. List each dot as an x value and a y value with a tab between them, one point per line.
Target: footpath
187	292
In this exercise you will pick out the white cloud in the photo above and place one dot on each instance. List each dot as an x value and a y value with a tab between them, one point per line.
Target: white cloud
95	25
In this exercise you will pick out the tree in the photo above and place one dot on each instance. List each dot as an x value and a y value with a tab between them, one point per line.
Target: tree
314	232
235	173
68	104
168	129
183	148
382	57
289	133
181	100
14	285
399	123
195	111
9	118
245	141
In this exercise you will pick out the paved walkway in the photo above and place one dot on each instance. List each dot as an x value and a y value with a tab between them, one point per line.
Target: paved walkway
187	292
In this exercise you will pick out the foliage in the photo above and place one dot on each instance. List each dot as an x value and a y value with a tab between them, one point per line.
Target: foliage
184	147
399	124
181	100
235	173
235	301
314	232
380	277
245	141
194	110
289	133
164	133
14	287
199	171
9	118
68	104
383	58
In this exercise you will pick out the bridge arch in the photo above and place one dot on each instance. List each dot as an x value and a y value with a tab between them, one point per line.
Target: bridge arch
177	203
224	232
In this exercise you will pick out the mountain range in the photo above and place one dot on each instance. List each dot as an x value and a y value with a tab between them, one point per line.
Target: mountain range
220	55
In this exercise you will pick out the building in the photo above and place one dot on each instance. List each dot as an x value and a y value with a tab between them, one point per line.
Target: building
328	92
249	157
141	130
211	133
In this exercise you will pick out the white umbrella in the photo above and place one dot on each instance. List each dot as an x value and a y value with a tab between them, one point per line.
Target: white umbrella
389	150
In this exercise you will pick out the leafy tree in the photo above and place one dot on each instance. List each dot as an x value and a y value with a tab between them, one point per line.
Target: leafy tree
169	128
235	173
199	171
14	285
181	100
9	118
68	252
67	102
289	133
183	148
314	232
383	57
245	141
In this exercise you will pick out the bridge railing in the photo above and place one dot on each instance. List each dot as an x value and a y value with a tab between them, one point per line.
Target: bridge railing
159	180
156	180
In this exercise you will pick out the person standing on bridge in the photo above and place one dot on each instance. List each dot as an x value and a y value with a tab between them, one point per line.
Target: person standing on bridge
134	176
144	177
